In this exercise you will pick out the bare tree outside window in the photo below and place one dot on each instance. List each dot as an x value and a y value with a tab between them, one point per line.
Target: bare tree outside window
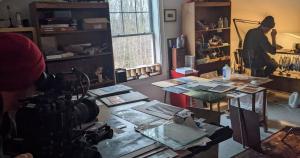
131	27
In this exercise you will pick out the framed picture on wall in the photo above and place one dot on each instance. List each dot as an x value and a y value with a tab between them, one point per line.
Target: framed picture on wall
170	15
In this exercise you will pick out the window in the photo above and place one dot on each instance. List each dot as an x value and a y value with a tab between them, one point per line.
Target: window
132	35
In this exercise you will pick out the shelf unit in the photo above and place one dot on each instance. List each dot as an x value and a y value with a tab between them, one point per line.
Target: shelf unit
209	12
88	63
29	32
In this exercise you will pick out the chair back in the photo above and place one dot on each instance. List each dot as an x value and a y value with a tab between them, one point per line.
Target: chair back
245	126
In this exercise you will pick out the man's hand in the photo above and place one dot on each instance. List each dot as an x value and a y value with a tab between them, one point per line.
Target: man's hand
27	155
274	33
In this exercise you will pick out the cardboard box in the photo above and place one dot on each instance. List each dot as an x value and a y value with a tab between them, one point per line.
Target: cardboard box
95	23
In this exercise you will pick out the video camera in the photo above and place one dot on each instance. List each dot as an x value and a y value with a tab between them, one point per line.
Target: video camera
55	124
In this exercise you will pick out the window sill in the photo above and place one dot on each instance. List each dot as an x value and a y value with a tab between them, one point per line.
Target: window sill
143	72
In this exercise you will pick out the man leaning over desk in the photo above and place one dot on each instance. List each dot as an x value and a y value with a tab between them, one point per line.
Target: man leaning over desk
257	47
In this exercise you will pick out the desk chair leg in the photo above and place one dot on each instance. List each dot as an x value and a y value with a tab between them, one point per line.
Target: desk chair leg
265	121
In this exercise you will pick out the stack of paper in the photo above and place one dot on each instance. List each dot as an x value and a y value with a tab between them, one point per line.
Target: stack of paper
111	90
123	98
158	109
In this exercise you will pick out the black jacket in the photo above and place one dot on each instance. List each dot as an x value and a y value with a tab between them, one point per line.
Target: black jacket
257	45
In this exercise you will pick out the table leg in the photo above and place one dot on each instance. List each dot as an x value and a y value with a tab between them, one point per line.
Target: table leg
242	127
253	102
165	97
219	107
265	110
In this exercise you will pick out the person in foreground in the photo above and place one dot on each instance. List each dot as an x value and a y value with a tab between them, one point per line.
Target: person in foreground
257	46
21	65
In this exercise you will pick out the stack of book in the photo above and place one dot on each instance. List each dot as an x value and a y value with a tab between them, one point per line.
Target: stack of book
57	28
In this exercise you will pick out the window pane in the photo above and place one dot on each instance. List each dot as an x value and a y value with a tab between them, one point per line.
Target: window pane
116	24
143	22
139	53
114	5
128	5
142	5
130	23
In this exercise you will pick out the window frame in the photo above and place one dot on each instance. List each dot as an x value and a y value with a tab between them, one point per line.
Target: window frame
136	12
151	32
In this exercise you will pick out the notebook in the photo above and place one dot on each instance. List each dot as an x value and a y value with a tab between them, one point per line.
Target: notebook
221	89
123	99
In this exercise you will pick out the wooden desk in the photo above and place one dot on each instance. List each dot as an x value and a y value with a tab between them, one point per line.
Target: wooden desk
221	135
239	80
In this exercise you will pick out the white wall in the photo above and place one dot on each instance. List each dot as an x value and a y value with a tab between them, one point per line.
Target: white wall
169	29
16	6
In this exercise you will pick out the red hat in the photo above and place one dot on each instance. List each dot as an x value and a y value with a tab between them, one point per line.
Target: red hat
21	62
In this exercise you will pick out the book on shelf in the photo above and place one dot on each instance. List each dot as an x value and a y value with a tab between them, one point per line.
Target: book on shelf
110	90
59	29
123	99
55	26
60	56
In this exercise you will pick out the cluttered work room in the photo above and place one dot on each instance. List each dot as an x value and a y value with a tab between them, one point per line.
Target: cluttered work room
149	78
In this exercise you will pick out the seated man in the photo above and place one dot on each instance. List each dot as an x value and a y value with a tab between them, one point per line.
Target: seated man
21	65
256	47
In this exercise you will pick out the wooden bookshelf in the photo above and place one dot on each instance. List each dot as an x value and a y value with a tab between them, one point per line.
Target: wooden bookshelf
210	30
70	35
69	5
213	4
73	31
78	57
198	37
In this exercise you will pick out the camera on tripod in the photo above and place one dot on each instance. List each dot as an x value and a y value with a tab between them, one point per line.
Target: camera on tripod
60	121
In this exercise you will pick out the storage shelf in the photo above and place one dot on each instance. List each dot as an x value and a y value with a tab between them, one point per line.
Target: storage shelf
95	84
68	32
292	74
68	5
216	61
77	57
210	30
215	47
212	4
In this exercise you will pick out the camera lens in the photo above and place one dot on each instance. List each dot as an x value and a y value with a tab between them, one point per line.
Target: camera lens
86	111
